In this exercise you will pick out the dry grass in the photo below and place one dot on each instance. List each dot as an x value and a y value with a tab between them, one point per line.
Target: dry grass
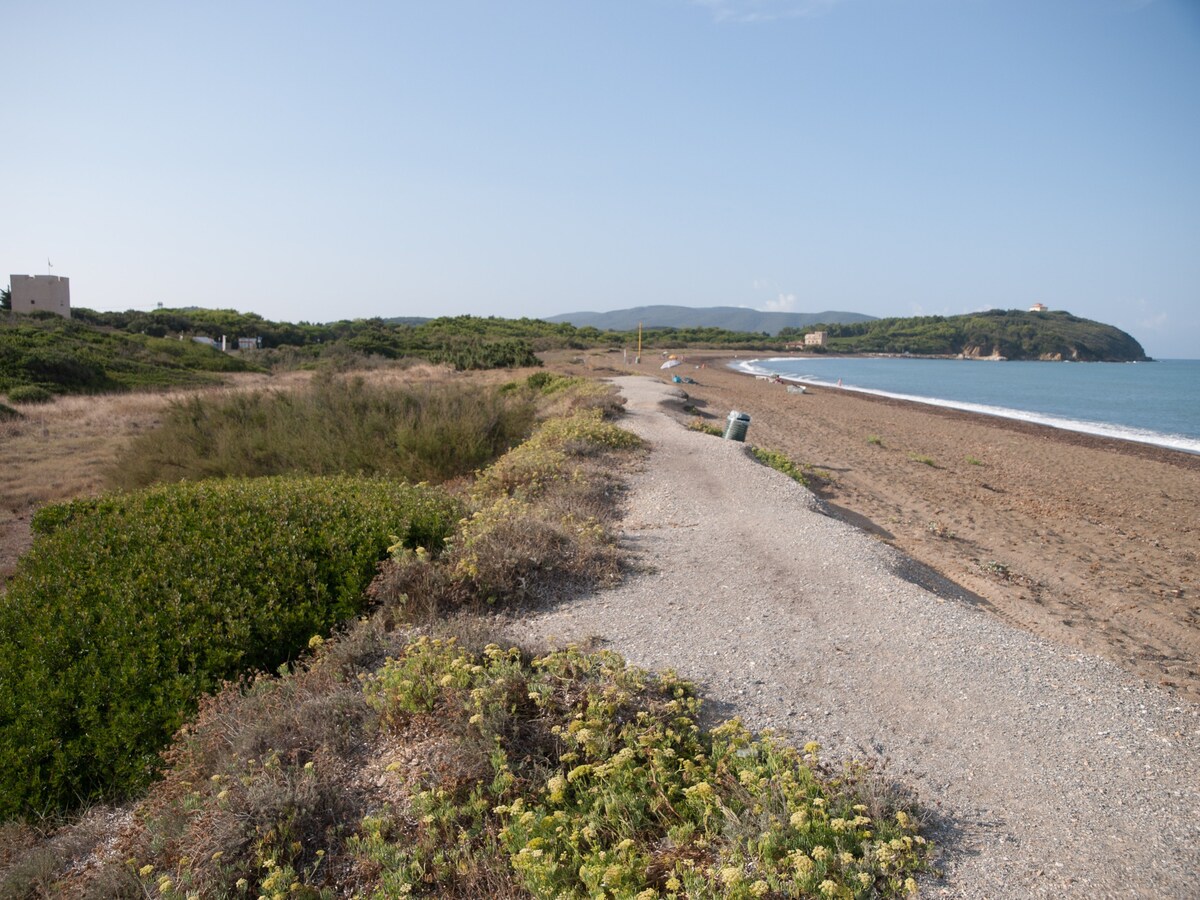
64	449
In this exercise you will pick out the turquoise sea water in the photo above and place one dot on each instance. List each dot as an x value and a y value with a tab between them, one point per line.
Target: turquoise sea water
1155	402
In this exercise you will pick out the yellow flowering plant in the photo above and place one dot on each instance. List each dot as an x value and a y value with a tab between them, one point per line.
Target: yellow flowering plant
618	792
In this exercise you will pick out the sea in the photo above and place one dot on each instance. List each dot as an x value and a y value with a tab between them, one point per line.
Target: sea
1151	402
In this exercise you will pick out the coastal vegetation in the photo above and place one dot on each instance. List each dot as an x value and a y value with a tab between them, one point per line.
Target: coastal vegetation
431	431
45	354
1013	334
404	751
781	462
111	351
129	607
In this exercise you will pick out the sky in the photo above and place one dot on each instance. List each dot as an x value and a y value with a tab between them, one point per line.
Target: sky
314	161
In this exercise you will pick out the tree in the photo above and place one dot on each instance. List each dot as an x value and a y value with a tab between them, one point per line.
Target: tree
6	298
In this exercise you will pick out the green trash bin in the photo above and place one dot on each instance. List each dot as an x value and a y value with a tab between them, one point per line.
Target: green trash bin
736	425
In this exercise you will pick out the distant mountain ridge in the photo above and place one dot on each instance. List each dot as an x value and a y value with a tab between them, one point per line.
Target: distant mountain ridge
731	318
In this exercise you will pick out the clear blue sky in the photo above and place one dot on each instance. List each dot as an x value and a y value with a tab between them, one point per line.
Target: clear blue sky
316	161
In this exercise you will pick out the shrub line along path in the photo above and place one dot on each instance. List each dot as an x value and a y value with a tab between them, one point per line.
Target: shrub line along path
1051	773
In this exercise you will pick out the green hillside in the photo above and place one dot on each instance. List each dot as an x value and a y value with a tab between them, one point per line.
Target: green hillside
67	356
121	351
1013	334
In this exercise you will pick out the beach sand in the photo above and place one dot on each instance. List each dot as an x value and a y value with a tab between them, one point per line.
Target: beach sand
1087	541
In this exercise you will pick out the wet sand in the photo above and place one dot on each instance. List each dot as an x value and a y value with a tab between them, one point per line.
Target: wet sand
1087	541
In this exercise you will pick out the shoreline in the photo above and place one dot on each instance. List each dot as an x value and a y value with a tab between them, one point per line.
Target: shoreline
1090	541
1165	440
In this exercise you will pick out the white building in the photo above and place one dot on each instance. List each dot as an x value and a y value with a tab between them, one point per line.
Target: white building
41	293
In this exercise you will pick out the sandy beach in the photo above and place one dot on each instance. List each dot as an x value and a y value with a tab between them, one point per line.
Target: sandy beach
1089	542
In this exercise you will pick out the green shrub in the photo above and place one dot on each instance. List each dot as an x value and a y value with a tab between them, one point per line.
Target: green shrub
780	462
68	356
580	777
526	470
334	425
698	424
130	606
536	530
29	393
480	353
540	380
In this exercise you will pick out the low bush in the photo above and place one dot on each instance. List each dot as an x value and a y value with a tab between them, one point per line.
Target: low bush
444	772
526	470
780	462
479	353
581	777
430	432
560	395
29	393
7	413
698	424
536	532
130	606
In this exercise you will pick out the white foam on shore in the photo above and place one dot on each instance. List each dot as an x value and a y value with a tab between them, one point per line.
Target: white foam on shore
1099	429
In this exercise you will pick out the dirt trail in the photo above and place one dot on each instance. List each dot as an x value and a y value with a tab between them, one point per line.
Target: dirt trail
1054	772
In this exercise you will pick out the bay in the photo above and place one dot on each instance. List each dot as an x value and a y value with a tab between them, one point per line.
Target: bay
1152	402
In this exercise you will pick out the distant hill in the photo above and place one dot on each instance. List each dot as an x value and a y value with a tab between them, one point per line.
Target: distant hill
730	318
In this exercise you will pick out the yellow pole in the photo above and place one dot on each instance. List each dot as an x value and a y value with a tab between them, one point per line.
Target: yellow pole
639	353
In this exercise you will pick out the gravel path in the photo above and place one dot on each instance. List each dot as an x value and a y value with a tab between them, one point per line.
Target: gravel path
1055	773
